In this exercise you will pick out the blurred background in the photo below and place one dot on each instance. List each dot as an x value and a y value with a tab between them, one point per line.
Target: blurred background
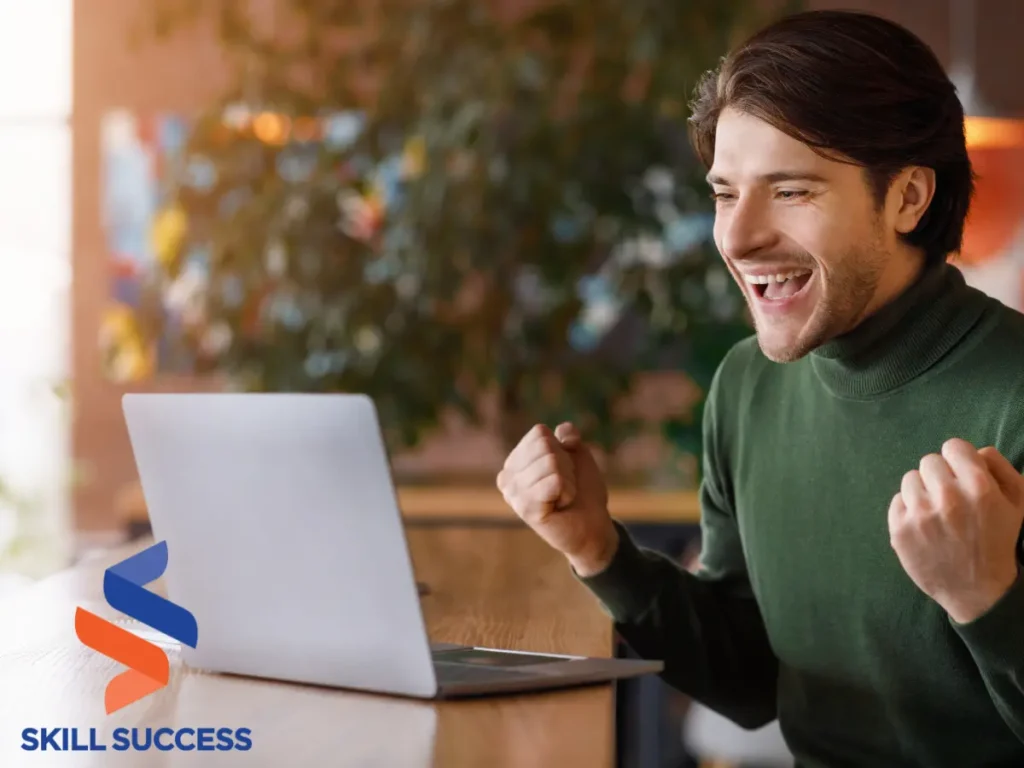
482	214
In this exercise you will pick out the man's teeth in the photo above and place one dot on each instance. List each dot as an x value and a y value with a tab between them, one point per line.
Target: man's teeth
779	278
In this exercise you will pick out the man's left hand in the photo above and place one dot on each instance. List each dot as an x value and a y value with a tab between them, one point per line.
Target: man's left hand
954	526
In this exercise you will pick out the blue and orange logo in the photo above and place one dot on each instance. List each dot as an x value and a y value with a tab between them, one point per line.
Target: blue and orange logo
148	665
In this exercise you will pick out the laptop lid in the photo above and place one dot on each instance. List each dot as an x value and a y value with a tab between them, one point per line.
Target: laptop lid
284	536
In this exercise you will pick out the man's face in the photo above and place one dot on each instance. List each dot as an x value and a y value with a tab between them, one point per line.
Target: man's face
801	234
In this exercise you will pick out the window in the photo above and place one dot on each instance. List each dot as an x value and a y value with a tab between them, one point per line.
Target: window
35	228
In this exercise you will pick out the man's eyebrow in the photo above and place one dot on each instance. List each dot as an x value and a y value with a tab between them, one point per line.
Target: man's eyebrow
774	177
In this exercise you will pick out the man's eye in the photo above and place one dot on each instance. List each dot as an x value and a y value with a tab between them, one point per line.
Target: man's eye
721	196
791	194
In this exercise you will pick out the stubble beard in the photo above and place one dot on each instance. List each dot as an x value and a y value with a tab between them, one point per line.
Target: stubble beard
840	308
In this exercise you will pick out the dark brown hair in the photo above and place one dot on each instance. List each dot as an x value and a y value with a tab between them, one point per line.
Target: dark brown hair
857	88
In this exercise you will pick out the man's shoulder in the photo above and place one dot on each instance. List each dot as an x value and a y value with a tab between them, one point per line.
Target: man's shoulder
996	352
1008	329
993	373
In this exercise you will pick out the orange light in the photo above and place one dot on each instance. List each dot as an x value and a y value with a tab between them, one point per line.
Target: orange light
993	132
271	128
998	206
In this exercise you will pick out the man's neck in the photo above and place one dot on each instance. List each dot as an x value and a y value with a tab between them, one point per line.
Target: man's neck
902	338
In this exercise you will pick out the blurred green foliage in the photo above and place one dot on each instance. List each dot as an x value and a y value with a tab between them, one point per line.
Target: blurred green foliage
543	235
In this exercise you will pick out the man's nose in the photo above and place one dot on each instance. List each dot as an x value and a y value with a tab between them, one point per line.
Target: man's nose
745	229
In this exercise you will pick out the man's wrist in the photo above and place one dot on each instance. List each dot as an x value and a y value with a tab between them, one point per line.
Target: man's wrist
964	610
594	560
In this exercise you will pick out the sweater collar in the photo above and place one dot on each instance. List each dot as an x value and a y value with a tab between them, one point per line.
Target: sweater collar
904	338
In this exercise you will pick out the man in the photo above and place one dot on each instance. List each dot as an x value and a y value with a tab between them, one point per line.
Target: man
862	498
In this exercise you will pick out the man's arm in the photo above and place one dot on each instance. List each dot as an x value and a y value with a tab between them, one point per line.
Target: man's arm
956	527
996	641
707	626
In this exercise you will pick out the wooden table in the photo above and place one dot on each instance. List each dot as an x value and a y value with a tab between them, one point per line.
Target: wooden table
490	586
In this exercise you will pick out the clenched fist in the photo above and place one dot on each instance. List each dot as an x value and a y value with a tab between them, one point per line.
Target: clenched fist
954	526
553	483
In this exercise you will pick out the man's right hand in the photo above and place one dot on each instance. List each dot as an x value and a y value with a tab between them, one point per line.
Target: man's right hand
553	483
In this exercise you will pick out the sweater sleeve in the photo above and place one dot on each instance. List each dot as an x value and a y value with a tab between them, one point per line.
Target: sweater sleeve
705	627
994	640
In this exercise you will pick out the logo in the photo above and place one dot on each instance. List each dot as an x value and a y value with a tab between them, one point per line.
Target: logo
124	590
148	668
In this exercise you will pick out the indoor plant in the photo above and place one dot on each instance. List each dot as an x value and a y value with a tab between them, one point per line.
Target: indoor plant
445	203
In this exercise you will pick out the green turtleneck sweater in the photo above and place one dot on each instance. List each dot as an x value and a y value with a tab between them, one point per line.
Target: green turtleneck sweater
801	609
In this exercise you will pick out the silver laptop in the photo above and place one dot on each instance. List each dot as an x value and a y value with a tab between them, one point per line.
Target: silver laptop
286	543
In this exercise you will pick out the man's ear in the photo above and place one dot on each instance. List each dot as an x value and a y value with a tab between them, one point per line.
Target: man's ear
912	192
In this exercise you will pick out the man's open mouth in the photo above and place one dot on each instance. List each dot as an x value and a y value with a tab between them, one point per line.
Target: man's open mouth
779	286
